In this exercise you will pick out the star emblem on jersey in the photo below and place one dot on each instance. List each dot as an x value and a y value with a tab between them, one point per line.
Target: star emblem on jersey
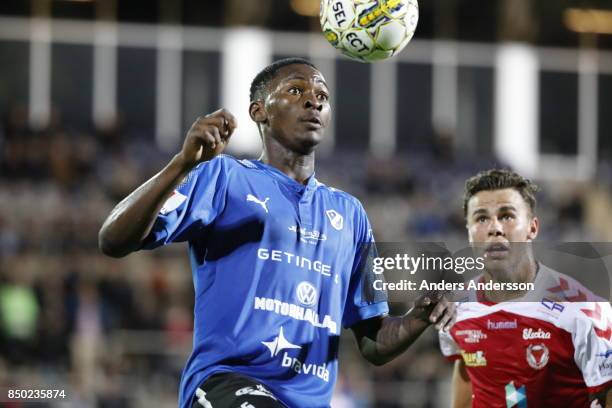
336	219
279	344
252	198
602	327
306	294
537	356
515	397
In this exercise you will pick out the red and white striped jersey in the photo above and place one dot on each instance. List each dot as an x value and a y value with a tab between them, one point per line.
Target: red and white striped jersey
541	351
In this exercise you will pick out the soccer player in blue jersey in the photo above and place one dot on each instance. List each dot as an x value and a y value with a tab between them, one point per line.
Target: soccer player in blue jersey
276	256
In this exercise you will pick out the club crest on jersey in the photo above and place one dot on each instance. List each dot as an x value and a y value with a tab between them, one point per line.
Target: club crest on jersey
537	356
336	219
306	294
263	204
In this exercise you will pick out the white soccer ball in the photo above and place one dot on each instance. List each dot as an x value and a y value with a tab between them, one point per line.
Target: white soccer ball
369	30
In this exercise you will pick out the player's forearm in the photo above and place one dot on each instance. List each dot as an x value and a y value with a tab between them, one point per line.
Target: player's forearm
462	386
131	220
396	334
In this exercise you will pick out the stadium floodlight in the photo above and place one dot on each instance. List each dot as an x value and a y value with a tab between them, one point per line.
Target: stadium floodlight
516	107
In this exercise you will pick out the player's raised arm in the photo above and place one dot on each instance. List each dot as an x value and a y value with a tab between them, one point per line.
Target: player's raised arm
383	338
131	220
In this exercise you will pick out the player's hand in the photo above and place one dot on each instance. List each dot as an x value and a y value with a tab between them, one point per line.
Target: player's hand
207	138
435	308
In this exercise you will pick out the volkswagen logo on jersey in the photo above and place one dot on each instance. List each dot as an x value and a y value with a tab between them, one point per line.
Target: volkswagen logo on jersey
537	356
306	294
336	220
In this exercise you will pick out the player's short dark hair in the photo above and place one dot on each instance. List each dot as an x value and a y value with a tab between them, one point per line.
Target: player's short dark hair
263	78
499	179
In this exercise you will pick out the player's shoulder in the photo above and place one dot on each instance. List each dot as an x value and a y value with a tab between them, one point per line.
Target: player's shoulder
339	195
559	287
231	162
224	163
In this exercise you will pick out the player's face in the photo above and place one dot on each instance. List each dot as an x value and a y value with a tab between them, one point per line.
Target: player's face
496	220
297	107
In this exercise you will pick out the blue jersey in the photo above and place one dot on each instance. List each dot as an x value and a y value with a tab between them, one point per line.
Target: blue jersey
276	273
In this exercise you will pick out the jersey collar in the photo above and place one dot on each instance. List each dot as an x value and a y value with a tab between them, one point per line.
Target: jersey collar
310	185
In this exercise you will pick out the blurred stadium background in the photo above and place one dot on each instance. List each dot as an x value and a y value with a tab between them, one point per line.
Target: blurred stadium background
96	94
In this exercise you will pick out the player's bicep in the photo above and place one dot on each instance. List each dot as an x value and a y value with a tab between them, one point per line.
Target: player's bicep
462	386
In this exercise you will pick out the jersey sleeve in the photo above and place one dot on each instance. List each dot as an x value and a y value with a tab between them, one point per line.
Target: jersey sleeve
593	344
193	205
363	301
449	348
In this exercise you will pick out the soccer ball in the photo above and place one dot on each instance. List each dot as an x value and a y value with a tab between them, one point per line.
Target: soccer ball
369	30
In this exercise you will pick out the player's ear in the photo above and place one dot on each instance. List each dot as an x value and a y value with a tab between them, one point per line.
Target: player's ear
257	112
534	228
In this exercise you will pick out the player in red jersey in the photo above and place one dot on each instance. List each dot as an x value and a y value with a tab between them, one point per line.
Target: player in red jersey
550	347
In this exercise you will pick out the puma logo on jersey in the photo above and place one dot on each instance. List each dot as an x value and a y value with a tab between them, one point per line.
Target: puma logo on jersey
251	197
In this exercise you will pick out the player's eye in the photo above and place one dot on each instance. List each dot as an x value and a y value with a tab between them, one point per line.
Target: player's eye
323	97
481	219
507	217
294	90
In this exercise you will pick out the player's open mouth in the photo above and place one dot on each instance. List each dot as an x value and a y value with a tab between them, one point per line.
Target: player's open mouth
497	249
312	121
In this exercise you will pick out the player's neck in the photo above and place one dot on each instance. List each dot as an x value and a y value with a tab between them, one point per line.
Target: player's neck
295	165
524	272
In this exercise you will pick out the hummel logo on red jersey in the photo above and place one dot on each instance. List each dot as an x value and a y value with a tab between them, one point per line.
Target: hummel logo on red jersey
251	197
502	324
